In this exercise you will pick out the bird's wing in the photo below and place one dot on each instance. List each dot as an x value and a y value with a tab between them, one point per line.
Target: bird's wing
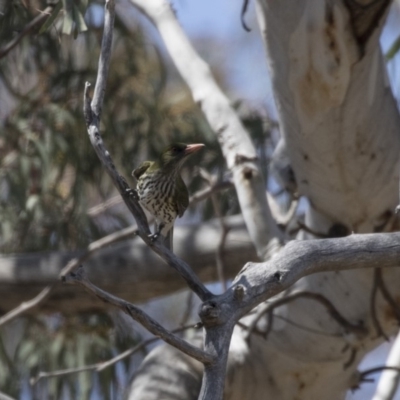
182	196
141	169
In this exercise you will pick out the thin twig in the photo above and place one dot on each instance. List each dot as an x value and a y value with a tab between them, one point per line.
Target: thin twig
102	365
69	267
333	312
27	305
195	198
79	278
306	328
92	113
103	207
211	180
95	246
188	309
220	254
389	380
104	58
378	369
245	5
351	359
282	219
374	316
386	294
361	377
37	21
236	145
208	191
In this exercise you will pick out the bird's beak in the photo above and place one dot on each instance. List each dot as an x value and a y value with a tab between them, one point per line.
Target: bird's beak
192	148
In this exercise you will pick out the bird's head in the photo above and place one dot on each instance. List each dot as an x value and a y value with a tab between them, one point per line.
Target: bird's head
176	154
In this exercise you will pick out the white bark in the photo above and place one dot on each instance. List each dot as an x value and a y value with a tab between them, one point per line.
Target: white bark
389	380
236	145
337	113
342	130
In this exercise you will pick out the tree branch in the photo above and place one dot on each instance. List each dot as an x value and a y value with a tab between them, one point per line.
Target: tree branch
79	278
386	294
374	315
23	276
258	282
37	21
224	228
389	380
70	266
92	111
331	309
238	150
102	365
27	305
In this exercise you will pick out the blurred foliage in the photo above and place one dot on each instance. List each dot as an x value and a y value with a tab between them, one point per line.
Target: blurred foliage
54	343
393	50
49	175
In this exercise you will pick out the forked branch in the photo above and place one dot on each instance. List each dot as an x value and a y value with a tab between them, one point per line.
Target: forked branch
79	277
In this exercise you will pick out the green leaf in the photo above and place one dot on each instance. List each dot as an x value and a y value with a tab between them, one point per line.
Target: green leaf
32	202
56	345
52	17
68	17
394	48
79	20
26	349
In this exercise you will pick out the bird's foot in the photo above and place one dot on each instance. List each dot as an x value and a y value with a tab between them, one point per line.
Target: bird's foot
154	236
131	192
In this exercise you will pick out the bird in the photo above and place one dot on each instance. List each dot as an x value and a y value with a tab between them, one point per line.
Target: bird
161	189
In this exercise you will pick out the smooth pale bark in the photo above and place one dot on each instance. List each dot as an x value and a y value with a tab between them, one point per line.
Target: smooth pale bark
128	269
342	130
337	113
389	381
236	145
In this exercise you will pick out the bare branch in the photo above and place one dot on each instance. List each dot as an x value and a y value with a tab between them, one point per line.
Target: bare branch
261	281
245	5
195	198
27	305
282	219
23	276
374	316
78	277
305	328
92	111
390	378
70	266
386	294
331	309
102	365
104	59
211	180
36	22
208	191
360	377
238	150
188	309
104	206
